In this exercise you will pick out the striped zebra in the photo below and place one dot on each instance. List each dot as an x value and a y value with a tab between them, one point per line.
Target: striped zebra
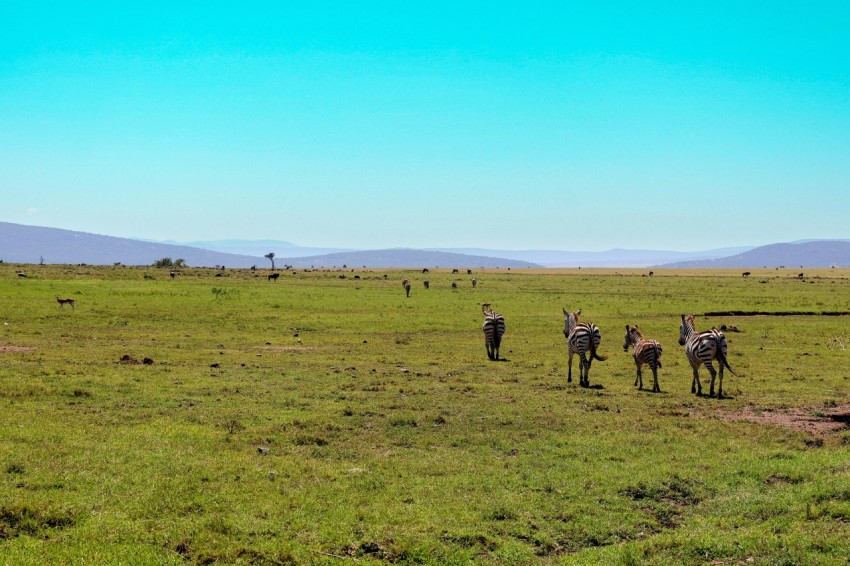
494	328
645	352
582	338
702	348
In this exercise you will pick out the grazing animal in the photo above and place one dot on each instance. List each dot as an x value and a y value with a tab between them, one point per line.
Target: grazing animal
800	276
474	283
22	274
407	289
745	274
173	274
454	271
454	285
582	338
274	276
425	270
644	352
651	273
494	328
702	348
63	302
427	284
405	282
469	272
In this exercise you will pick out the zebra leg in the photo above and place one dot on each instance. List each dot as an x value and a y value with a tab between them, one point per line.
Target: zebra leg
713	373
489	350
696	386
720	384
655	388
639	378
570	369
587	371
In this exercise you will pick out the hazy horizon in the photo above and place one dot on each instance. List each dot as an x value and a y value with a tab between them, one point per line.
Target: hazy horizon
660	126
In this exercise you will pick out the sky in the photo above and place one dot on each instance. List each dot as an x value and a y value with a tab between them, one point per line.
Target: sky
534	125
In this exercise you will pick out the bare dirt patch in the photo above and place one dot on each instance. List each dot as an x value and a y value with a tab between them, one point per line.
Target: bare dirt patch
287	348
4	349
814	421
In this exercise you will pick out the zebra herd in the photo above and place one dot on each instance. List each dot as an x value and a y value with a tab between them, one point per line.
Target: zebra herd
583	338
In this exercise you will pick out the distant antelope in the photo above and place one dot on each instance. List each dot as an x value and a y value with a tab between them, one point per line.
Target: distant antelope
62	302
702	348
644	352
494	328
274	276
581	338
745	274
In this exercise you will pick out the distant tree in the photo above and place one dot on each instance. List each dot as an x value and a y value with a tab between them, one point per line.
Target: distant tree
270	256
164	262
41	260
179	263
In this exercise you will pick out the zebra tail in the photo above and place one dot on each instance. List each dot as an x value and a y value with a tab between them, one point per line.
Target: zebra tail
721	357
593	353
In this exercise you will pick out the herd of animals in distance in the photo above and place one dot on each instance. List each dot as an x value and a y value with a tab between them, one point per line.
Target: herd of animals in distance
702	348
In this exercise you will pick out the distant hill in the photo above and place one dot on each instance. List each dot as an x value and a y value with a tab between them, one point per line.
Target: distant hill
609	258
812	253
32	244
401	257
260	248
29	244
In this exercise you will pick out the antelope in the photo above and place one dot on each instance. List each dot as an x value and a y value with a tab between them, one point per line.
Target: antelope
63	301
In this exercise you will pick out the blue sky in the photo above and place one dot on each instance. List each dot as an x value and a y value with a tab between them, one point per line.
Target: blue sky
535	125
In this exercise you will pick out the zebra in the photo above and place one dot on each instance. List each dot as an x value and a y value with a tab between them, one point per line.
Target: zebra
494	328
644	352
702	348
581	338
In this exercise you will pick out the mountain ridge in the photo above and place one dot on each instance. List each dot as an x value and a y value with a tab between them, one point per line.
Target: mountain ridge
21	243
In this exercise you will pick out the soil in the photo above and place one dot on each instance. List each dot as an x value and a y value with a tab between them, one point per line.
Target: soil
9	348
812	420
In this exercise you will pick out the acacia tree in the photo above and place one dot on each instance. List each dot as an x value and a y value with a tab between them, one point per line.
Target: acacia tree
270	256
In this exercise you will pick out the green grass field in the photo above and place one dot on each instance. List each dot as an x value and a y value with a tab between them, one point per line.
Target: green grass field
318	419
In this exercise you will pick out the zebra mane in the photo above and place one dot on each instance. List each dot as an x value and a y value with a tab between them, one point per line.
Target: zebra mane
634	329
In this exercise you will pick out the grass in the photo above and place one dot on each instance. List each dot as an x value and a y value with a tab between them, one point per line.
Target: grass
317	420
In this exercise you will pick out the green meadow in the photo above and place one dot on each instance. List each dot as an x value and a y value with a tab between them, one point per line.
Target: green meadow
323	418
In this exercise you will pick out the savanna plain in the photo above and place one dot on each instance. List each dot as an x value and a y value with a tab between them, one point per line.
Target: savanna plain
222	417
